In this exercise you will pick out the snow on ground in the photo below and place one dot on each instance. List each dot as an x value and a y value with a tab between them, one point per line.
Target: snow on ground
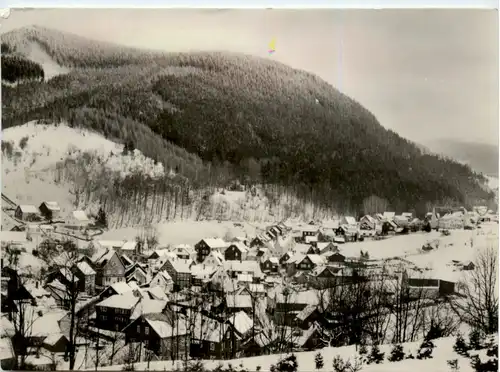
28	176
187	231
441	354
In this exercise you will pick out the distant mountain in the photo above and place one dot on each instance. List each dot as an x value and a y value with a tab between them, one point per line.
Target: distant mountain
216	117
480	157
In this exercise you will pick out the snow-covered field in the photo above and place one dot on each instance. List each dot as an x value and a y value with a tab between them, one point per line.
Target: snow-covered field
28	177
441	354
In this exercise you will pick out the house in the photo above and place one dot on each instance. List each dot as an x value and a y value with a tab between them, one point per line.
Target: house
270	265
202	273
407	215
214	258
388	216
109	268
309	262
334	257
368	222
114	312
259	241
166	335
312	239
236	252
86	277
205	246
180	272
237	303
326	247
27	213
241	324
308	316
233	268
115	289
183	251
324	276
468	266
311	339
136	273
78	220
348	220
126	260
159	253
55	343
59	293
50	210
428	287
309	231
163	280
208	338
284	259
65	276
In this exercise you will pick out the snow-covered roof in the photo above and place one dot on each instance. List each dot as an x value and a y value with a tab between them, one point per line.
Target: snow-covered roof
243	266
52	339
80	216
120	301
241	247
256	288
162	327
310	239
181	266
239	301
389	215
85	268
129	245
121	287
26	208
217	256
202	271
274	260
216	243
165	275
350	220
369	218
148	306
316	259
241	322
52	205
156	293
308	310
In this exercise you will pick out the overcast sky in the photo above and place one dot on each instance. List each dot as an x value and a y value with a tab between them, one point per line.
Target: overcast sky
423	73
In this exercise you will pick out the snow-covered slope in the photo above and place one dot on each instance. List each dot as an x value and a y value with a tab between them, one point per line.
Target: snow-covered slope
35	149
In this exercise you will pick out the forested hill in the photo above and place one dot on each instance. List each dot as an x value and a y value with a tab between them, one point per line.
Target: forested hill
219	116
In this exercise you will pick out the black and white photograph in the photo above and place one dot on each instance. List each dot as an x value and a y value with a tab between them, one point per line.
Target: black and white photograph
249	190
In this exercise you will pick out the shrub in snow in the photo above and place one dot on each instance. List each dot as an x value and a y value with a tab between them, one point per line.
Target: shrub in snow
318	360
425	350
397	354
461	347
363	350
453	364
475	337
434	332
375	356
289	364
410	356
339	365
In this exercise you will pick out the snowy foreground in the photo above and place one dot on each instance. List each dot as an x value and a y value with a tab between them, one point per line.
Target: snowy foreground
441	354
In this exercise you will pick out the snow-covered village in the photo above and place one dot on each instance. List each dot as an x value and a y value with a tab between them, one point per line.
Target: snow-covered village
175	207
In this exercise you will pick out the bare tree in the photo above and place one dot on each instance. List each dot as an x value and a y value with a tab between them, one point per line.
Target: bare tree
477	303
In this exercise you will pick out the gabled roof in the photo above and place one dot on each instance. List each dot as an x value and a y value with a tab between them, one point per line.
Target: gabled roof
216	243
164	274
239	301
218	257
240	246
148	306
273	260
241	322
181	266
121	287
162	325
80	216
316	259
85	268
349	220
389	215
129	245
52	205
26	208
243	266
120	301
306	312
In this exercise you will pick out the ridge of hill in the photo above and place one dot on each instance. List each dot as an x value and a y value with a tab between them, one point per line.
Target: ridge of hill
215	117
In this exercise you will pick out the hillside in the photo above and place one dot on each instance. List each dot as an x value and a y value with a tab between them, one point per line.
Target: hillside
480	156
215	117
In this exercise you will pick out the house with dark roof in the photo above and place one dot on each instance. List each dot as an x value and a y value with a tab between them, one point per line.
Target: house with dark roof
136	273
180	272
50	210
86	277
164	334
236	252
205	246
109	268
